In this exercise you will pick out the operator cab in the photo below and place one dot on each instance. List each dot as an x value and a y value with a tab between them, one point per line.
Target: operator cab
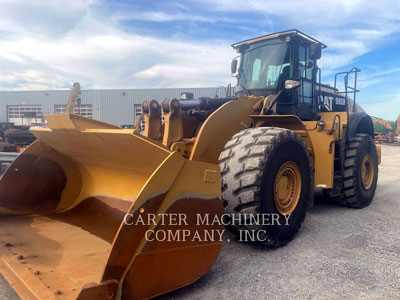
267	62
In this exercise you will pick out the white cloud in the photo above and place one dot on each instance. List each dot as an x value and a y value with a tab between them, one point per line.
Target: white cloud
159	16
50	44
350	28
41	17
100	55
388	108
328	13
115	60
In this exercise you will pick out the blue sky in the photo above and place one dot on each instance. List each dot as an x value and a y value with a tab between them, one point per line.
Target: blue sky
146	44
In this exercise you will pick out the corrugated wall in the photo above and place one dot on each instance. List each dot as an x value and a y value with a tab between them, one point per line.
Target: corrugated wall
113	106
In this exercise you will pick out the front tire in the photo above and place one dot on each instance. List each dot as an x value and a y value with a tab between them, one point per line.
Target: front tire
266	171
360	174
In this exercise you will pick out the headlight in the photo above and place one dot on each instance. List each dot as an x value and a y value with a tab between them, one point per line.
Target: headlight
291	84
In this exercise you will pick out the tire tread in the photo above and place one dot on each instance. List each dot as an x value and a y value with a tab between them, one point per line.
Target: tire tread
242	164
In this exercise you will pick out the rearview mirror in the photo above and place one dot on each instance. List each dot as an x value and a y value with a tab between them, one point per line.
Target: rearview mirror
291	84
234	66
315	51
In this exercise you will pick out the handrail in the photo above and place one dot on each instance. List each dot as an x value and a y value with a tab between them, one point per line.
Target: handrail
353	89
333	126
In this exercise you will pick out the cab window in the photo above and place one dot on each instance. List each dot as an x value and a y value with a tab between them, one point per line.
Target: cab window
305	73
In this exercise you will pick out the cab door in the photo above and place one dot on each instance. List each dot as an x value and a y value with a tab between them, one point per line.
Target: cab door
306	89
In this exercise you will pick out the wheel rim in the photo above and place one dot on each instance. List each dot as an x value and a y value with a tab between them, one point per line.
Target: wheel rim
287	188
367	172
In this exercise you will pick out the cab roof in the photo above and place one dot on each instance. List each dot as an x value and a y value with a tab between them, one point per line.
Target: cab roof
292	32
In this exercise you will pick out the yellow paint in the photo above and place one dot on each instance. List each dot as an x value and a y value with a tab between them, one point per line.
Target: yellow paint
318	139
172	177
100	159
220	126
287	188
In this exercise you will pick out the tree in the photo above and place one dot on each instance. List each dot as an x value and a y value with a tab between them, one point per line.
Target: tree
380	128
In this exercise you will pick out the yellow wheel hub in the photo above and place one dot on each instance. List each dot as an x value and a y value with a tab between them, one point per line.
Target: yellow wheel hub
287	187
367	172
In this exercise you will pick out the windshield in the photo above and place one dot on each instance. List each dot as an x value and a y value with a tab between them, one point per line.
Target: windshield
264	66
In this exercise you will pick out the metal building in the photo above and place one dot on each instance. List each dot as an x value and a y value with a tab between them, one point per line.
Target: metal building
119	106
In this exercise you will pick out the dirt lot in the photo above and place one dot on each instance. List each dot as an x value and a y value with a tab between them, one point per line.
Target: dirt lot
340	253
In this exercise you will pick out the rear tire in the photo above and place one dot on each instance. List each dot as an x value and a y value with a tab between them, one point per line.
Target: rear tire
360	172
255	164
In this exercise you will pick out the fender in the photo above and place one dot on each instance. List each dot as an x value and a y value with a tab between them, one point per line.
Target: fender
360	123
220	126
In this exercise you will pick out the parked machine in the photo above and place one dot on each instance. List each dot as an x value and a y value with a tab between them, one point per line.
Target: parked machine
4	127
16	135
21	137
4	145
283	135
396	131
391	134
386	137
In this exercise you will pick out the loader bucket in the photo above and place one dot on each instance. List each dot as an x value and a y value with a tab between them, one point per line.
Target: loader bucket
92	211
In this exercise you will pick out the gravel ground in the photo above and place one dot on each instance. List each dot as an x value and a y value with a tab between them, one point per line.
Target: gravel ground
339	253
6	291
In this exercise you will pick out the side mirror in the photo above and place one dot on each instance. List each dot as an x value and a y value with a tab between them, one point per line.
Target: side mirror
315	51
291	84
234	66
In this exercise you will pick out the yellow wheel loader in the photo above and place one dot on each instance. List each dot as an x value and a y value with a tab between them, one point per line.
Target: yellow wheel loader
87	207
389	135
